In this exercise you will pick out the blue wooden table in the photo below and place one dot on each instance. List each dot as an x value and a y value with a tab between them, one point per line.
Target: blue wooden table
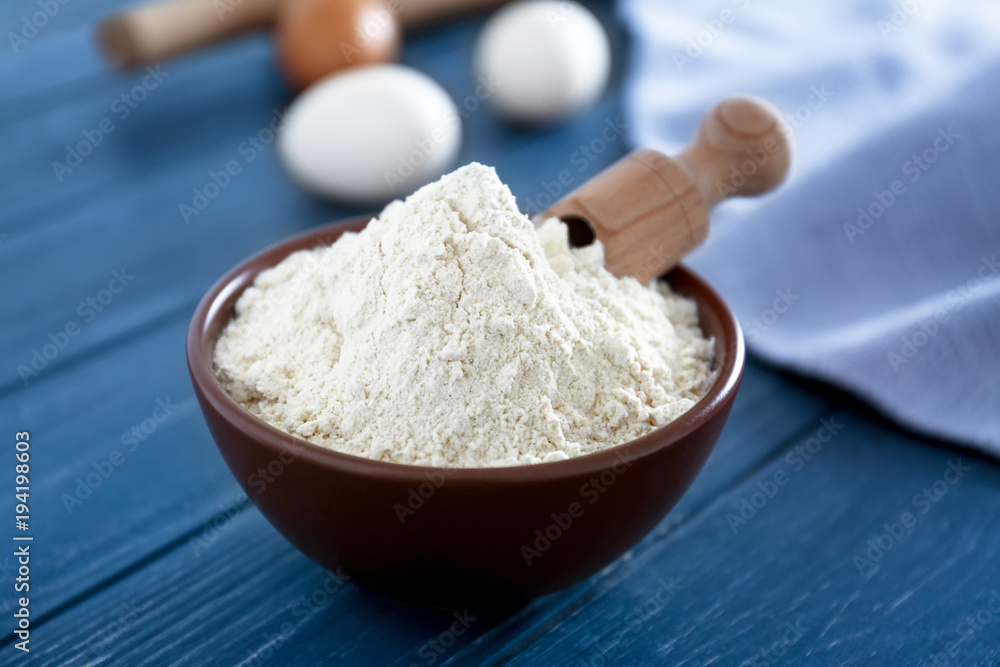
818	533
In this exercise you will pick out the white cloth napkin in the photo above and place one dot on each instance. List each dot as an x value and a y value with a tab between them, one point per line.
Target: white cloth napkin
875	267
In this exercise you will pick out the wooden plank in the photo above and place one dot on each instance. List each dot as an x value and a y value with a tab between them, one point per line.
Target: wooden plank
119	212
260	577
184	110
97	512
791	563
786	586
48	73
120	206
60	61
67	15
770	412
233	610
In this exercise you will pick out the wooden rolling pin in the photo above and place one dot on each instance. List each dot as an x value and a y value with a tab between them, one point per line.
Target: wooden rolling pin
650	210
161	30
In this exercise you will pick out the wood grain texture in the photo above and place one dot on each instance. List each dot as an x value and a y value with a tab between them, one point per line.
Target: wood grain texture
644	209
217	551
794	564
164	563
650	210
104	516
741	149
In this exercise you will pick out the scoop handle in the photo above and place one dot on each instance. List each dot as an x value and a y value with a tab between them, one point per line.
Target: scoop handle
649	210
165	29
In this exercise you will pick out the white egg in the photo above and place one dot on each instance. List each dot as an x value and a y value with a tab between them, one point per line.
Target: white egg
547	59
370	134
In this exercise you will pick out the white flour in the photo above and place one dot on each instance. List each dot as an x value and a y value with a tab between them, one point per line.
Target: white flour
451	333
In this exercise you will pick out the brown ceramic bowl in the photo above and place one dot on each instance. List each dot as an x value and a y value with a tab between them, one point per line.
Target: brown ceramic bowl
459	537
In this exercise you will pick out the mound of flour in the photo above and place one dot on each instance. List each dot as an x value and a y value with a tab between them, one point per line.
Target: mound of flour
452	332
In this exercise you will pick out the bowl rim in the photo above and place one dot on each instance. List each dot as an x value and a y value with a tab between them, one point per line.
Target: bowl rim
210	390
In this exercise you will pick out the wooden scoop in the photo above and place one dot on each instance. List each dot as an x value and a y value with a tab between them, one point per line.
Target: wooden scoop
650	210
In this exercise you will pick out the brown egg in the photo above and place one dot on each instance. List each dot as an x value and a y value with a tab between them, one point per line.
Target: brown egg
319	37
